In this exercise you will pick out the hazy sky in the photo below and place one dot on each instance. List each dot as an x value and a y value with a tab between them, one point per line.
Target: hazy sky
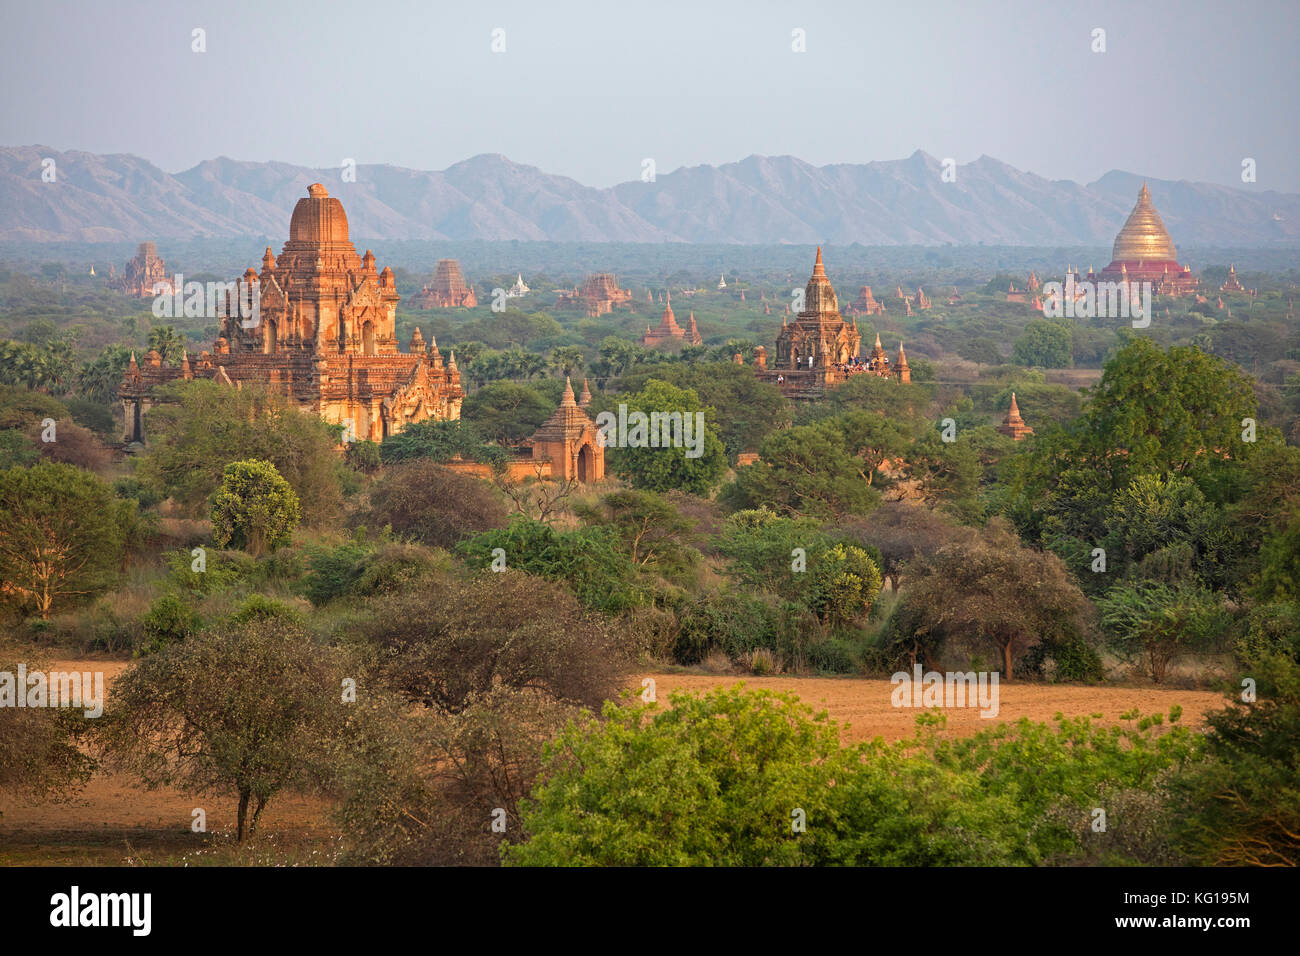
1184	90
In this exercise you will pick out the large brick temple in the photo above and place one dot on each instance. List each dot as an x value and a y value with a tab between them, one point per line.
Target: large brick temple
325	337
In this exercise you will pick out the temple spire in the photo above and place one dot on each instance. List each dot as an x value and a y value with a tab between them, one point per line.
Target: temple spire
818	268
567	398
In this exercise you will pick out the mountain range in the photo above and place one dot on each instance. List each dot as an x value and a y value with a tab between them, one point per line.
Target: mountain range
759	200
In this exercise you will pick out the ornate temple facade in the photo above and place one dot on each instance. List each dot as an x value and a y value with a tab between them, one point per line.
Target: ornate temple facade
669	332
449	289
325	336
1144	252
145	274
819	350
599	294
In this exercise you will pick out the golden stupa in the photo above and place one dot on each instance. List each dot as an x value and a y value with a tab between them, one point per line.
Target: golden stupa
1144	237
1145	252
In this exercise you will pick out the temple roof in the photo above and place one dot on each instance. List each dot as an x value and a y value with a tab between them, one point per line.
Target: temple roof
318	217
566	422
819	294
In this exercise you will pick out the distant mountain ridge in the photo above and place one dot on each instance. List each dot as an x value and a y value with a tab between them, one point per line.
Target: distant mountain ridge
758	200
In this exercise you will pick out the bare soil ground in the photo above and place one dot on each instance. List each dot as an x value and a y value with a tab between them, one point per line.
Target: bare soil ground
113	821
863	704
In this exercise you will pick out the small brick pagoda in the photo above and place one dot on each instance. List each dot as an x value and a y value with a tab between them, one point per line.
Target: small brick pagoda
1013	425
668	331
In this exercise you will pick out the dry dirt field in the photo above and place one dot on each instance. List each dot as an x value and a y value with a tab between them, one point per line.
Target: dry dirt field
113	821
864	704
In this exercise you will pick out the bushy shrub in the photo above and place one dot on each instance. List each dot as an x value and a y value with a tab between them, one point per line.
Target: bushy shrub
332	573
425	502
1064	659
170	620
587	559
452	640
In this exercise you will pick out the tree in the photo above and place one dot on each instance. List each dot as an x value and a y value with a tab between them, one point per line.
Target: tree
239	708
1241	807
507	412
567	360
710	781
589	560
255	508
447	644
746	409
167	343
1156	623
674	467
205	426
426	502
805	471
1165	526
440	440
98	379
648	524
39	752
901	530
1155	412
64	535
986	588
1044	343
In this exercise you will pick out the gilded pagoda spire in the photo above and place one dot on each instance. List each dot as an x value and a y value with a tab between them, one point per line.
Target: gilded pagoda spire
1144	237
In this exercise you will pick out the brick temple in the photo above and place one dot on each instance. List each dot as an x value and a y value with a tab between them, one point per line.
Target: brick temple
145	274
599	294
669	332
325	337
449	289
819	350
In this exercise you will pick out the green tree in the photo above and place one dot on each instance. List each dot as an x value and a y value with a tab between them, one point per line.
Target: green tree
986	589
206	426
710	781
507	412
242	709
806	471
255	508
567	360
1044	343
1155	623
440	441
168	343
64	535
674	467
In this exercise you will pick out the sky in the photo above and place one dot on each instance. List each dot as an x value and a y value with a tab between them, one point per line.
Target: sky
1184	90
